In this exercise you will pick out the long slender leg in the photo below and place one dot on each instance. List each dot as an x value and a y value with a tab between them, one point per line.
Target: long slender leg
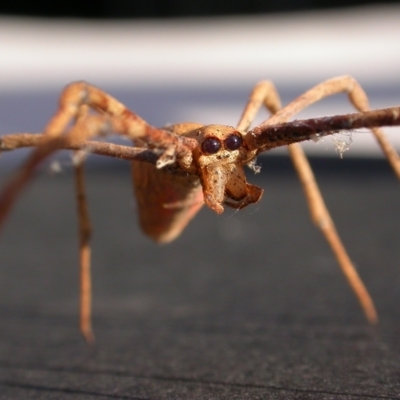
318	209
72	125
85	232
321	217
264	93
129	153
115	117
357	96
128	123
75	102
85	307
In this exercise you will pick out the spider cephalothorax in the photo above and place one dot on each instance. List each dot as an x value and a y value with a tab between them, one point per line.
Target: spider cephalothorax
168	200
220	156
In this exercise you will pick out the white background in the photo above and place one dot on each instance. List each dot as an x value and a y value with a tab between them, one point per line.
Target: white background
200	69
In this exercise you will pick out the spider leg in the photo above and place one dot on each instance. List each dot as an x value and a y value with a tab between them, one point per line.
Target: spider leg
321	217
80	94
72	125
357	96
114	118
264	93
124	121
85	308
319	212
85	232
84	129
19	140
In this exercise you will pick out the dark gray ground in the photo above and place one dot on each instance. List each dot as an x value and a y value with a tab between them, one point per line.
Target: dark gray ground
247	305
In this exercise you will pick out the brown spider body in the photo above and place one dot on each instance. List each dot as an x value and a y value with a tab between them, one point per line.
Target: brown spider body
168	198
179	168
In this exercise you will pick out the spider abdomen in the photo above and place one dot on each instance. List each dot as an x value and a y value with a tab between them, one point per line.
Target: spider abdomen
166	201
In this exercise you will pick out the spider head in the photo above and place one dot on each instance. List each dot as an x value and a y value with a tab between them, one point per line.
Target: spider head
219	144
219	159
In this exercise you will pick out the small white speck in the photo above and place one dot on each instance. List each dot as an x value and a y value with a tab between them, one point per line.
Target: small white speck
343	143
55	167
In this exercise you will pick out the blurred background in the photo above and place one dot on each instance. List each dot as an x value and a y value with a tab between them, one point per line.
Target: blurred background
186	61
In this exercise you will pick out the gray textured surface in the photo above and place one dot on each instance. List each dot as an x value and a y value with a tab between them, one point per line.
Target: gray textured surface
247	305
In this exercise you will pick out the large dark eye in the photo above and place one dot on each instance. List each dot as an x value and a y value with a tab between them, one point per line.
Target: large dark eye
211	145
233	142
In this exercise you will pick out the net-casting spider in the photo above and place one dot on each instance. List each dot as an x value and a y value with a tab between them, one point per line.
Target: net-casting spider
178	168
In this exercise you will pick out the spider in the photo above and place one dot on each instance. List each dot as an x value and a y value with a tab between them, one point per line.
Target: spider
177	169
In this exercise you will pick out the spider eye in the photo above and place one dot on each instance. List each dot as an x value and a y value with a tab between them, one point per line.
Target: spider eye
233	142
211	145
